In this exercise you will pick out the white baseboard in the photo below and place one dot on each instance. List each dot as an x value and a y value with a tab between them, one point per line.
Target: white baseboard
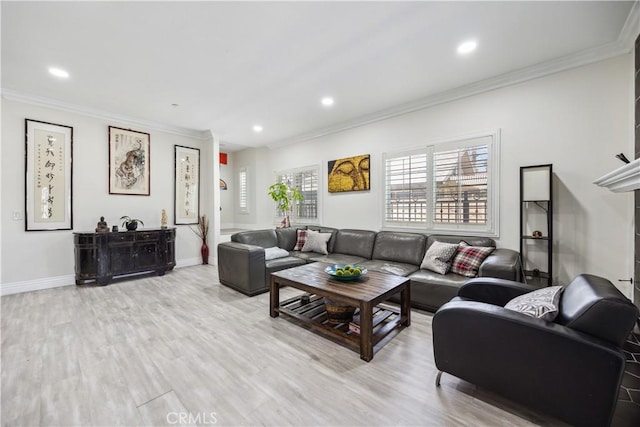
68	280
189	262
37	284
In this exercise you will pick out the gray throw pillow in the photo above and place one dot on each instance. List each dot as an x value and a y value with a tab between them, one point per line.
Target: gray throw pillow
541	303
316	242
438	257
274	253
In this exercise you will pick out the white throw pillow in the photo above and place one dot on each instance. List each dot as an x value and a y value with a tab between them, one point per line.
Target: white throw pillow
274	252
541	303
316	242
438	257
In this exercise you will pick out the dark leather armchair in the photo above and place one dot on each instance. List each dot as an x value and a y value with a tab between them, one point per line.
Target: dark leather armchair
570	368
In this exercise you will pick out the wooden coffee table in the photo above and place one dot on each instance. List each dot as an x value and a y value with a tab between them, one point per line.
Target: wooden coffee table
378	322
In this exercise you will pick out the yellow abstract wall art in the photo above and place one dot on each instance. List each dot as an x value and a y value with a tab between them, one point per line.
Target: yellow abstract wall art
349	174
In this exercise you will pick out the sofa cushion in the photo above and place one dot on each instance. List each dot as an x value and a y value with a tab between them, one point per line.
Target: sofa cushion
275	253
355	242
397	268
316	242
468	259
438	257
301	238
471	240
430	290
592	305
541	303
336	258
264	238
286	238
407	248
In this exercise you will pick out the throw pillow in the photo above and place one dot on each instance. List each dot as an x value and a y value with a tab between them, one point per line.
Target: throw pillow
438	257
302	237
275	252
469	258
541	303
316	242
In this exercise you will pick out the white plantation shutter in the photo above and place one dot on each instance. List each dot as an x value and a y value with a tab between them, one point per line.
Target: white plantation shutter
243	195
460	194
406	188
448	187
306	180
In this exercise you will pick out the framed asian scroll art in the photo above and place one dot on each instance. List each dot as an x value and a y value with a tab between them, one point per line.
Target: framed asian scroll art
129	162
48	176
187	185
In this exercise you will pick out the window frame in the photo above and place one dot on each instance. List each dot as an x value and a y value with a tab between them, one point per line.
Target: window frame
492	226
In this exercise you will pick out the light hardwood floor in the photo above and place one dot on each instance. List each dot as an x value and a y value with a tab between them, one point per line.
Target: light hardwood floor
183	349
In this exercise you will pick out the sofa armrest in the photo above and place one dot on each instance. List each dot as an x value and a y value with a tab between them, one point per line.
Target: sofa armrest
502	264
241	266
493	291
544	365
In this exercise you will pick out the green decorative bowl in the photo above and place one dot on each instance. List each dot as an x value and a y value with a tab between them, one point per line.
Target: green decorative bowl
340	272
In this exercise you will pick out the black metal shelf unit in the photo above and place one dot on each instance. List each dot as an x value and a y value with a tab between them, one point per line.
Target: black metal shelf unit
536	224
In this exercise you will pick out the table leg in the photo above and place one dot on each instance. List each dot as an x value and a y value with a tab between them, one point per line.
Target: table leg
366	331
274	298
405	304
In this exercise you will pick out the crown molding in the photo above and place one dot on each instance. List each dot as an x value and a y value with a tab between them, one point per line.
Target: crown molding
625	178
123	120
631	27
619	47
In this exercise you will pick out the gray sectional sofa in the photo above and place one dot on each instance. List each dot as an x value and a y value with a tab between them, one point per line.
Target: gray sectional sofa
242	265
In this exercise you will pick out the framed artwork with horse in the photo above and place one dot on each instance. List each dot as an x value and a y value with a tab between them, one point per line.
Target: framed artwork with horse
129	162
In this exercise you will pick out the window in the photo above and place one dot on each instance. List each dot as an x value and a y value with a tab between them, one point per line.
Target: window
243	192
446	187
306	180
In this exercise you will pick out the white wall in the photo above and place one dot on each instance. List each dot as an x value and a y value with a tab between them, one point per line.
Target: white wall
227	201
41	258
577	120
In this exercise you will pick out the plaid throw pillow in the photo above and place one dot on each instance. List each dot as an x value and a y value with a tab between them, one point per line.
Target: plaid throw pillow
302	238
468	259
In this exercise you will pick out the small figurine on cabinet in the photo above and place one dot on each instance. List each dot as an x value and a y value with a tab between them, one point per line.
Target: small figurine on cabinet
163	219
102	226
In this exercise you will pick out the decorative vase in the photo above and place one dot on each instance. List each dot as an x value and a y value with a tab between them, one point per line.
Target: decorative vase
338	312
204	251
132	226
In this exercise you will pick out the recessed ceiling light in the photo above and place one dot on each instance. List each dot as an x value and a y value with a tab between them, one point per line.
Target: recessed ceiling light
257	128
327	101
58	72
467	47
175	105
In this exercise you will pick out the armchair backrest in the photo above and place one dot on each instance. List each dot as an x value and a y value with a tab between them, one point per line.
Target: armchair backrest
592	305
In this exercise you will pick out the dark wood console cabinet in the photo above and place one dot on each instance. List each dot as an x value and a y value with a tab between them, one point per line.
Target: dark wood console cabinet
102	256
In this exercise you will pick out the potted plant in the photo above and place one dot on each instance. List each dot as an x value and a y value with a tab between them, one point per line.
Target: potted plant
285	197
130	223
203	231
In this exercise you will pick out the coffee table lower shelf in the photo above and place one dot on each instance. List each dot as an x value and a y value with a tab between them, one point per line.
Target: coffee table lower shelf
386	319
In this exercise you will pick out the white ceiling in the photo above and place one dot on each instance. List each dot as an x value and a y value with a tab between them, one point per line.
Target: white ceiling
230	65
